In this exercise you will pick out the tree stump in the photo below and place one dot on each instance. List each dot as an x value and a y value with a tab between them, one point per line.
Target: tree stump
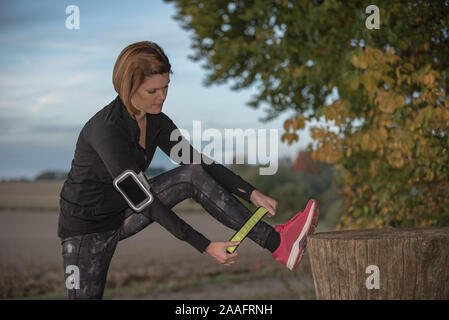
399	263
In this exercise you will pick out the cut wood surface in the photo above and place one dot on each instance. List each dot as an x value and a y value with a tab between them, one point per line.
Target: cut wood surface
396	263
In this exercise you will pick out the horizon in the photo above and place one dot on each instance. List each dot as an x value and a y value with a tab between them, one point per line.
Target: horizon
54	79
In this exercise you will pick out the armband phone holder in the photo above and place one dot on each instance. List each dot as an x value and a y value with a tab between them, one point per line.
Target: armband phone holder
134	188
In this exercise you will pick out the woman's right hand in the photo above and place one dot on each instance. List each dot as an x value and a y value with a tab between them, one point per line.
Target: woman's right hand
218	251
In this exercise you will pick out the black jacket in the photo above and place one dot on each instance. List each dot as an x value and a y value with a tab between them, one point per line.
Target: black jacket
107	145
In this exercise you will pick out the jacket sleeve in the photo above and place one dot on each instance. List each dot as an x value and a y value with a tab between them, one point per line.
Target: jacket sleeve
224	176
113	145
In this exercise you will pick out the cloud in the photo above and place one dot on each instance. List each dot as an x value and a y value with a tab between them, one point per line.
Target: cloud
45	100
17	14
22	93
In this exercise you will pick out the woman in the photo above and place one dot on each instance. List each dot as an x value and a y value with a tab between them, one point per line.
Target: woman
124	135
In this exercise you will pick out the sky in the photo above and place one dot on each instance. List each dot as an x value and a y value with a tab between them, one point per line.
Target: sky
53	79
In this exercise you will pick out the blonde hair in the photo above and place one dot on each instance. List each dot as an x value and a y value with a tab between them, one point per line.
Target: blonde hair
136	61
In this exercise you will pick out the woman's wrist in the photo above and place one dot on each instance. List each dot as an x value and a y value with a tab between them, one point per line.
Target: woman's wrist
253	195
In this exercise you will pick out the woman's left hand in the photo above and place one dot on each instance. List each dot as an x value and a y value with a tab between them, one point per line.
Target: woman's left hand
261	200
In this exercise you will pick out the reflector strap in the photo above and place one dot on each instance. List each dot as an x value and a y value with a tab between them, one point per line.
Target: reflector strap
247	227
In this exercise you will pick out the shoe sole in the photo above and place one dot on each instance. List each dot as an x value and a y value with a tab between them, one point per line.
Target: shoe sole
296	252
311	231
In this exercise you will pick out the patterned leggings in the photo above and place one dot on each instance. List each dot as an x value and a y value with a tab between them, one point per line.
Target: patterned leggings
86	258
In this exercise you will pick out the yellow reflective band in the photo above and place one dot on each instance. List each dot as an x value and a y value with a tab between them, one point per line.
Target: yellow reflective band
243	232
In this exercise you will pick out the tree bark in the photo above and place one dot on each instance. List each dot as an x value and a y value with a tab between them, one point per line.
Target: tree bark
412	263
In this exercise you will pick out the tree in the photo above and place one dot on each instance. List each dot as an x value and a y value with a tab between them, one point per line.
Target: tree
51	175
304	162
381	92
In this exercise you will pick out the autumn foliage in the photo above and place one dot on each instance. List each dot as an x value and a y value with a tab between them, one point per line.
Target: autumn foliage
305	163
394	165
375	100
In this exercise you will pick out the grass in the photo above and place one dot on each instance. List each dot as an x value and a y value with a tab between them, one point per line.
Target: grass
44	196
143	289
39	195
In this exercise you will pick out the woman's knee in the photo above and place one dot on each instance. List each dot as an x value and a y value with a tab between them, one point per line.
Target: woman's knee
192	168
182	173
86	261
188	172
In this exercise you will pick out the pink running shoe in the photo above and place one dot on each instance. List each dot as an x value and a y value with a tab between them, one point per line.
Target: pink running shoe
294	235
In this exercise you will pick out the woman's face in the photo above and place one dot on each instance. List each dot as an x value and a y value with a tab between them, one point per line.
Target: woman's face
151	94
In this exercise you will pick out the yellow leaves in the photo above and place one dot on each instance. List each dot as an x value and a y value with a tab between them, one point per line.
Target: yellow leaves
337	111
353	81
400	156
395	159
399	101
295	124
428	77
369	57
347	191
287	124
331	112
375	59
441	116
369	82
366	139
408	67
387	102
375	140
355	61
430	116
368	143
388	80
424	223
297	71
317	133
329	146
398	73
385	120
372	170
299	123
348	152
391	57
429	175
395	146
382	133
379	222
446	102
359	62
290	137
372	54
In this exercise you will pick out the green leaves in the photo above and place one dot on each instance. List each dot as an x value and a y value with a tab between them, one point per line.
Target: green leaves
390	120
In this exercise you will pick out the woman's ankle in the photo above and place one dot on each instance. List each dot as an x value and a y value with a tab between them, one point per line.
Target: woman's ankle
273	241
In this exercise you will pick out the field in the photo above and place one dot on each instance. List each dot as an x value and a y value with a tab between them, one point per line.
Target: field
150	265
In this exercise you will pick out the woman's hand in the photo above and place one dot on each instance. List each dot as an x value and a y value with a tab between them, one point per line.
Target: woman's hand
261	200
218	251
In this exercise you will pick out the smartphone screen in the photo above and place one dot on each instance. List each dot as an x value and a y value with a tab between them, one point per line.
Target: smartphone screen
132	190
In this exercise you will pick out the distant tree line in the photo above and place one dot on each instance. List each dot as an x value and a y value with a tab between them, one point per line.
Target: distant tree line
294	184
62	175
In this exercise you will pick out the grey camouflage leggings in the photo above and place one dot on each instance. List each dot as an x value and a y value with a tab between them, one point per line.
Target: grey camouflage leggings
86	258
